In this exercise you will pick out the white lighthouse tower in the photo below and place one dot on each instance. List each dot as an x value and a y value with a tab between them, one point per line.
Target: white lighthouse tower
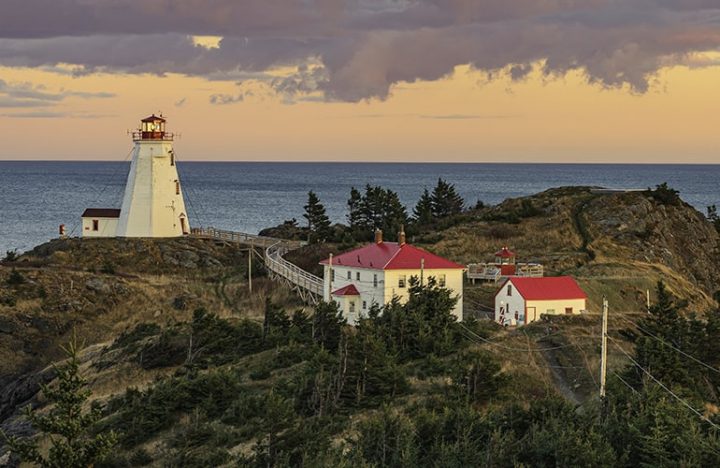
153	205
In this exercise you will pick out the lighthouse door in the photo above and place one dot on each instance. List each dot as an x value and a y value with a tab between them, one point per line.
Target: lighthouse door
183	225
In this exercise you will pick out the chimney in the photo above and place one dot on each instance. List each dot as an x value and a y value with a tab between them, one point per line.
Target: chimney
401	235
378	236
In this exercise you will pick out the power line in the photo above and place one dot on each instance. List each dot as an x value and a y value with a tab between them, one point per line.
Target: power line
623	381
702	363
678	398
528	349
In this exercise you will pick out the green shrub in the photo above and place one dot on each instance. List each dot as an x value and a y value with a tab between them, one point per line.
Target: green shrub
10	256
665	195
108	268
16	278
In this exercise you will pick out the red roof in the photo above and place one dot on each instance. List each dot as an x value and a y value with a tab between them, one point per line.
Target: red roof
349	290
547	288
505	253
391	256
153	118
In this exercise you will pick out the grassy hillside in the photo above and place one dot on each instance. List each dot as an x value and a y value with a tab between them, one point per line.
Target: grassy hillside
192	369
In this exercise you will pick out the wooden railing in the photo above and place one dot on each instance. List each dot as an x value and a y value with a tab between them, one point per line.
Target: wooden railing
294	274
308	285
243	238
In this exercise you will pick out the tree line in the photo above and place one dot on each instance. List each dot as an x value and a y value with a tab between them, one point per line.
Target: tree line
376	208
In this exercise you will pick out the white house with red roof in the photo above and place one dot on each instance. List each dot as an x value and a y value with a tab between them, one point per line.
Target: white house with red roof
378	272
520	300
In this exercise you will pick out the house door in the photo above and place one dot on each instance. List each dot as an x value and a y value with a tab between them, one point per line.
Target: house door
531	314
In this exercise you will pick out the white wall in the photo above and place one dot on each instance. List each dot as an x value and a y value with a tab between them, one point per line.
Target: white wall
368	292
151	207
512	302
107	227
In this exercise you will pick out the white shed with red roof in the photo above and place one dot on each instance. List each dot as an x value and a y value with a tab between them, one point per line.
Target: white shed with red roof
520	301
378	272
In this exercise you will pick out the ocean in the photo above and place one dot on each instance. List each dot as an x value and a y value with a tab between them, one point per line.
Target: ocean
37	196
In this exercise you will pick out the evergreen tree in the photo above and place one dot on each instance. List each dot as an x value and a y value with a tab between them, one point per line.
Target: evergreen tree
712	215
318	221
377	208
423	212
66	425
445	200
327	325
354	208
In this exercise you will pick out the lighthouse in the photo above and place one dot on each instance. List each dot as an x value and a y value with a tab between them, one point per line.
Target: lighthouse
153	204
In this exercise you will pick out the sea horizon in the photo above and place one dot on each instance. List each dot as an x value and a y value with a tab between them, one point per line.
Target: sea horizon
248	196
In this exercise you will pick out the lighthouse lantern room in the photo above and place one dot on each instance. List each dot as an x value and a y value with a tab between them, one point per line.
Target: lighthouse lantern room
153	203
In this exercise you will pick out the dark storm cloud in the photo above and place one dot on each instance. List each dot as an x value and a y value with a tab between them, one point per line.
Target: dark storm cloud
361	47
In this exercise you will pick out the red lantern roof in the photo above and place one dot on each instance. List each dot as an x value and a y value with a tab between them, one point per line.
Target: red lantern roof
392	256
153	118
505	253
349	290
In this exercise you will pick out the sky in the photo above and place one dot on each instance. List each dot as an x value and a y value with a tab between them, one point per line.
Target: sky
581	81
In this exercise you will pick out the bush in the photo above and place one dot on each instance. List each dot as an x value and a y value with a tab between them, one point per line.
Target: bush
108	268
16	278
10	256
665	195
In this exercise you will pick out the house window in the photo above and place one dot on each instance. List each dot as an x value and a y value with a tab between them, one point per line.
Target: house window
517	315
509	290
349	274
375	283
177	187
441	281
357	276
352	307
568	310
364	305
401	281
332	275
96	225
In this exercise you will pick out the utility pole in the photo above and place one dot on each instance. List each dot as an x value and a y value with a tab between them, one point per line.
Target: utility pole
648	300
603	358
330	278
251	251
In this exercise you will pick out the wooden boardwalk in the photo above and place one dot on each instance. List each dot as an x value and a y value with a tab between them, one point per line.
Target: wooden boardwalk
308	286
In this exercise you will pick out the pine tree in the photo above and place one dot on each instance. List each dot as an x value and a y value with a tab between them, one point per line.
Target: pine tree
354	208
67	427
423	212
712	215
445	200
318	221
327	325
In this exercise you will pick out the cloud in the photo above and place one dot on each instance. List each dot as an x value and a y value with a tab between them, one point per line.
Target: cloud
466	117
357	49
31	95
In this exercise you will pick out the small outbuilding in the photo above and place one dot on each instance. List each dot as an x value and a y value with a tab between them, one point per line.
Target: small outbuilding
520	301
100	222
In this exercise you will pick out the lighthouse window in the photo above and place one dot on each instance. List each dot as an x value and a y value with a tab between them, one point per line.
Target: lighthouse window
177	188
96	225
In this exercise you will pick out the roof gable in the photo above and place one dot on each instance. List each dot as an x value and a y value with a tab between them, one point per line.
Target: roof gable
391	256
546	288
349	290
